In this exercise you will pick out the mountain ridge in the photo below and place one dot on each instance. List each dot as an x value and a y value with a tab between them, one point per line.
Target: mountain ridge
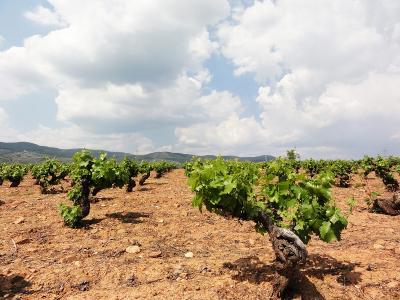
26	152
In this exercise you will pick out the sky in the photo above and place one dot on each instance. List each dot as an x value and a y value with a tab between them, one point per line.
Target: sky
237	77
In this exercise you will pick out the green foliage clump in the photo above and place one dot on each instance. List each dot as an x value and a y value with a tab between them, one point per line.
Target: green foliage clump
188	166
367	165
130	166
291	200
302	204
313	167
71	215
145	167
1	173
88	172
49	173
383	171
14	173
162	167
106	173
225	187
342	170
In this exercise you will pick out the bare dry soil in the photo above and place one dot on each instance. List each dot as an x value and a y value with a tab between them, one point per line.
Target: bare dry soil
40	258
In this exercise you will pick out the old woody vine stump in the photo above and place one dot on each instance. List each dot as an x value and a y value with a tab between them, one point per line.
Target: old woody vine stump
389	207
290	207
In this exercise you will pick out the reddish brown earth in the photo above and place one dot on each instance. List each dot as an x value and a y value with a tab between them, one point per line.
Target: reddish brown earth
40	258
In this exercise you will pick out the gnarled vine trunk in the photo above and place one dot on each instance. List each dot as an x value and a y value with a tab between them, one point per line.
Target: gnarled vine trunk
43	189
84	202
1	181
131	185
47	190
290	253
95	191
144	178
387	206
15	183
53	179
344	181
392	185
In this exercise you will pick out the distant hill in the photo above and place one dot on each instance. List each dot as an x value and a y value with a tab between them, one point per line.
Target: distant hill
24	152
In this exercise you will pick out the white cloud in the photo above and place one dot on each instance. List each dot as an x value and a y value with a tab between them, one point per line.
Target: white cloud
125	107
224	137
328	71
3	118
119	42
18	74
338	40
45	17
218	105
118	66
74	135
115	41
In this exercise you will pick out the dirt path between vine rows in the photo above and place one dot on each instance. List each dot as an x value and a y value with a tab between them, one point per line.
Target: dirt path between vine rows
42	259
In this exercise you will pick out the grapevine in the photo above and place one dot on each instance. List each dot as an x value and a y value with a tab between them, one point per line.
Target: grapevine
14	173
144	168
162	167
1	174
342	170
49	173
88	172
290	207
132	169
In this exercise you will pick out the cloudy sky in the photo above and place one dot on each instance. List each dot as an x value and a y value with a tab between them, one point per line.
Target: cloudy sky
202	76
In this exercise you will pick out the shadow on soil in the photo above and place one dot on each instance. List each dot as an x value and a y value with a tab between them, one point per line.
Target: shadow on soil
321	265
86	224
128	217
13	285
251	269
143	188
54	190
161	183
98	199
